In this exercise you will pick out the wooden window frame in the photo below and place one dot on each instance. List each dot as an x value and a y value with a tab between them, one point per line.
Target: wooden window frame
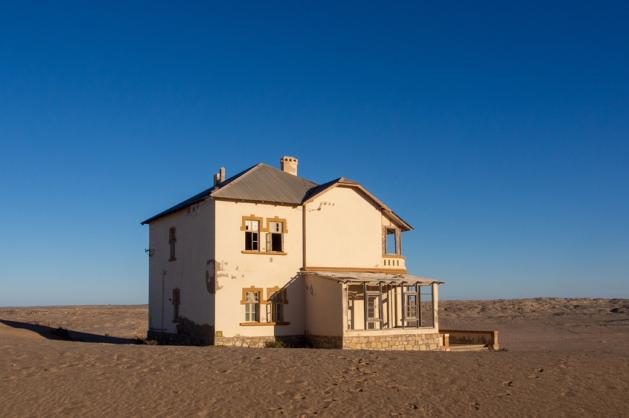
261	229
261	300
398	241
269	234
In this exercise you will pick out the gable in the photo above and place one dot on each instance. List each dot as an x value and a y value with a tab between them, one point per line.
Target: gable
319	191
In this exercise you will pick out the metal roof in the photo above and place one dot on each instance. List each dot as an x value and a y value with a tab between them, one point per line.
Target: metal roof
259	183
264	183
374	278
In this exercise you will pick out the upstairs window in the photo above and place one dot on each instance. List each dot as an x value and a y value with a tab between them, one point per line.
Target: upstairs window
275	237
392	241
172	241
252	235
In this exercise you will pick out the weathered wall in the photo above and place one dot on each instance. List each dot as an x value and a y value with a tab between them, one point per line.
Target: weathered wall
236	270
191	272
344	229
324	307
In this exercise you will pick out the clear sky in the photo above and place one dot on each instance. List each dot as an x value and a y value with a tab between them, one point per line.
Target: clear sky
499	130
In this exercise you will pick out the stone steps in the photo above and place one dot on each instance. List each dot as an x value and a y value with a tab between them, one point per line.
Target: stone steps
467	347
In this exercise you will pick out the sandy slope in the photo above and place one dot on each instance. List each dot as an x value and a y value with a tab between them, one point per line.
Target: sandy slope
564	358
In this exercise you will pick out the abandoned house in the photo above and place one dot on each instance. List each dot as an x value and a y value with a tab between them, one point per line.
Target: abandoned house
266	256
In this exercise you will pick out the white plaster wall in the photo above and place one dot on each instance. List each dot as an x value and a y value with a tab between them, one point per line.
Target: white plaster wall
194	249
344	229
236	270
324	307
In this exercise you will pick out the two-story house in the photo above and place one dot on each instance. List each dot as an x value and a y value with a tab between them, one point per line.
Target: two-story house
266	255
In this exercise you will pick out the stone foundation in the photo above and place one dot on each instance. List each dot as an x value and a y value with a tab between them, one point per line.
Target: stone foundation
406	342
402	342
261	342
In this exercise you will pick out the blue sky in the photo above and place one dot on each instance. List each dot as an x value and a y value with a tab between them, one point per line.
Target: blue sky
499	130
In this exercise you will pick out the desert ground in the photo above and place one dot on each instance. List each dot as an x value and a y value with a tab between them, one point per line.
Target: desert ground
561	357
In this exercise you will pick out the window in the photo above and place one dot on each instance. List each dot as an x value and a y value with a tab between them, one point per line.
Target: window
275	312
392	241
176	300
276	299
172	240
275	237
252	235
252	305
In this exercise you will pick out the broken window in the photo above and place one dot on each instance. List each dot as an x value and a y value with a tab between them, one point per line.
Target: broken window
252	235
275	237
172	240
252	305
392	241
176	300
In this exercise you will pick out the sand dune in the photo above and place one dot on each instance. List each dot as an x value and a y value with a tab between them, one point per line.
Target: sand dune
565	357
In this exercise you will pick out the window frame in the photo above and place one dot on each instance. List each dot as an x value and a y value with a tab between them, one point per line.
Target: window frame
243	227
270	233
245	302
398	241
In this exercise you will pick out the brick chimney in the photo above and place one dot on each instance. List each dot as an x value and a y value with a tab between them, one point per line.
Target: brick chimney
220	176
289	165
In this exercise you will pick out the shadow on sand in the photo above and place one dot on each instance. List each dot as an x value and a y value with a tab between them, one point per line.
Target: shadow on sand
69	335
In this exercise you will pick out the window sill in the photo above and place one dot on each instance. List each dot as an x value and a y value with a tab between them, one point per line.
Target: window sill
393	256
263	324
263	252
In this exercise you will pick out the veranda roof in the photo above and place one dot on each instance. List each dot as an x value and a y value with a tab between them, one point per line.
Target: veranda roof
375	278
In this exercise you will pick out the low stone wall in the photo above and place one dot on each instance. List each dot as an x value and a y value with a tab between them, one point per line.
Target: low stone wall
406	342
261	342
487	338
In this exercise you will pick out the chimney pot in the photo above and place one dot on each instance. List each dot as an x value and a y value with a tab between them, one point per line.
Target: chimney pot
289	165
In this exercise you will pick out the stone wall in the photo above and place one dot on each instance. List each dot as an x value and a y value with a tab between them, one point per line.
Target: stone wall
406	342
261	342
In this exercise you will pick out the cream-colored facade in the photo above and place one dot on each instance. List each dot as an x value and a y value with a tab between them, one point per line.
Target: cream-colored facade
263	257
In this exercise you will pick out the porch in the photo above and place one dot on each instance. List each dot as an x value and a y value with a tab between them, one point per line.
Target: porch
379	310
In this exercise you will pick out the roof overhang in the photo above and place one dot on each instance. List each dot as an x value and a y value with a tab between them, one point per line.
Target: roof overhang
373	278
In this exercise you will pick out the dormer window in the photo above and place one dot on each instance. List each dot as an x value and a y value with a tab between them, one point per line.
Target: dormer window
392	241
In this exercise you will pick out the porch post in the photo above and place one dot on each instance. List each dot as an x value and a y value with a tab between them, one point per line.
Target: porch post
345	293
365	305
380	306
403	307
435	305
418	304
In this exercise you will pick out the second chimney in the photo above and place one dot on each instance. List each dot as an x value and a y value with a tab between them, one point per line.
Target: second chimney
289	165
220	176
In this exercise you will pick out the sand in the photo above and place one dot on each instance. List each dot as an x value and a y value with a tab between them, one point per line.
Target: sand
564	357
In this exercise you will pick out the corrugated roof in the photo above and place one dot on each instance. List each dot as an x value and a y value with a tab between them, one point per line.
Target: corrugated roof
264	183
361	277
259	183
